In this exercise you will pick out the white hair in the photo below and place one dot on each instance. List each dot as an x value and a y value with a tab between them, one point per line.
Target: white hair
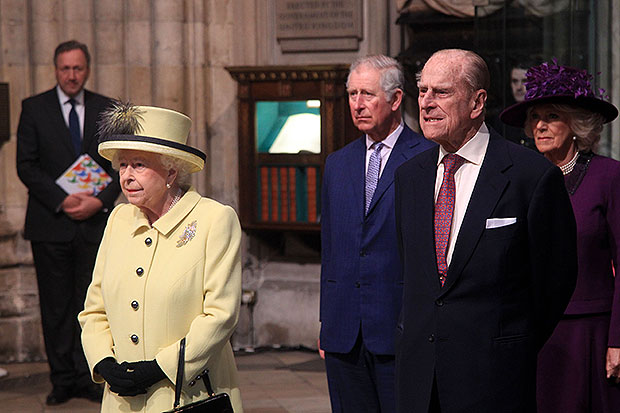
183	168
392	77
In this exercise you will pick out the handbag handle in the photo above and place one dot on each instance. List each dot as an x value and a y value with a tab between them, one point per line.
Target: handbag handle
180	373
180	368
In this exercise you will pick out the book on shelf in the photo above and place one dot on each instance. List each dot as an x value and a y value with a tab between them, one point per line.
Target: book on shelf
312	195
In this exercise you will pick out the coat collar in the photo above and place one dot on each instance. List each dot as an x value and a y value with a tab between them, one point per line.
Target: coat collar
171	219
573	179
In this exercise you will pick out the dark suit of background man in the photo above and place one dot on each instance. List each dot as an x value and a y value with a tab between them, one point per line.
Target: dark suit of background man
64	230
470	344
361	277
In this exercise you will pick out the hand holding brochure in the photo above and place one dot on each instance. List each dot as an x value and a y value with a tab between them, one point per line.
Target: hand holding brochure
85	174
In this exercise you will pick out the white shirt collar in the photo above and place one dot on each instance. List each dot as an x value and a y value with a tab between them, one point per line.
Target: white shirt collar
391	139
63	97
474	150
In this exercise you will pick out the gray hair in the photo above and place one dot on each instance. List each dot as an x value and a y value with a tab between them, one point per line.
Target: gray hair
168	162
585	124
475	71
183	169
392	77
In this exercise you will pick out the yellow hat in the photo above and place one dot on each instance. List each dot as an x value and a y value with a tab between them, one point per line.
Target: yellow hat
149	129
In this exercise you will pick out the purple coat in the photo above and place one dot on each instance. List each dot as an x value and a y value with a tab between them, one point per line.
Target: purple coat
596	204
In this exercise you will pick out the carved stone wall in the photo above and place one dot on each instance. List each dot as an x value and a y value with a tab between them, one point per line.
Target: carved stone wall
153	52
169	53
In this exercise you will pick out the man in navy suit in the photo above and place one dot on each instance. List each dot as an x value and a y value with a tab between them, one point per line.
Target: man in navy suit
64	230
480	299
361	277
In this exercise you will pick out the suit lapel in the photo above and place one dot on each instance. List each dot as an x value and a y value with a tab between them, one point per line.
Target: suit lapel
90	121
488	189
58	120
423	209
356	167
403	150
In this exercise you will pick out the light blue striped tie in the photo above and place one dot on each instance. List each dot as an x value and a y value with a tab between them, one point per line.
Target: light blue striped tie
372	176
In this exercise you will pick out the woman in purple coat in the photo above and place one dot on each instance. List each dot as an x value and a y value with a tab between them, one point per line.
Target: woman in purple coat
579	367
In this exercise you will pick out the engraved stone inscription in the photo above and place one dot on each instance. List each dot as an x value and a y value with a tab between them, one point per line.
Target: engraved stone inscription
319	19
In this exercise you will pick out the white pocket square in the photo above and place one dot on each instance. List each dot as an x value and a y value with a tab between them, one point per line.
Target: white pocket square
499	222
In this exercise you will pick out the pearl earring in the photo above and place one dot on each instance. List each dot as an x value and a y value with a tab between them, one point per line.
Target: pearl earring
574	138
167	185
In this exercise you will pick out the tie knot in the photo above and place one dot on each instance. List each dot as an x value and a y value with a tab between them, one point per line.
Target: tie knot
452	162
72	102
376	146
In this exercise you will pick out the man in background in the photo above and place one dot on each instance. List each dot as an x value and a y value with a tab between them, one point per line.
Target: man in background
361	277
488	243
55	128
517	82
518	69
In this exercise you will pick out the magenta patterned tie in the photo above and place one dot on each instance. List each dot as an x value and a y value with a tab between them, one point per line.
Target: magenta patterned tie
444	208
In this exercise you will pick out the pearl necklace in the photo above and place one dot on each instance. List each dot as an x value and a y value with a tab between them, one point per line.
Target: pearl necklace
176	199
568	167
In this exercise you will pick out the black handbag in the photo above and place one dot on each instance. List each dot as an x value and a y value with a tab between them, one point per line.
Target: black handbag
215	403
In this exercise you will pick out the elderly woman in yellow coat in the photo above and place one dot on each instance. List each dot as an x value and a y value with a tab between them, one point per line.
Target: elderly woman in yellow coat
168	267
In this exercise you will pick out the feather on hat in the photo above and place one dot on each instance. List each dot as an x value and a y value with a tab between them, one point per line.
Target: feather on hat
553	83
149	129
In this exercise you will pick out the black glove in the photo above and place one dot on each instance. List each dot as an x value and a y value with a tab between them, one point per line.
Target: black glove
117	377
144	373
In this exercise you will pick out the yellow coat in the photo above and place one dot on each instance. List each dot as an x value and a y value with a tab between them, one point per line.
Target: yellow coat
154	285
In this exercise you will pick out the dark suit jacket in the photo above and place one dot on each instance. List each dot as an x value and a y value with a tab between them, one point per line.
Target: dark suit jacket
44	152
506	287
361	277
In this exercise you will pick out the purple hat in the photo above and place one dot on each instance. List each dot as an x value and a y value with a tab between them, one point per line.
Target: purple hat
552	83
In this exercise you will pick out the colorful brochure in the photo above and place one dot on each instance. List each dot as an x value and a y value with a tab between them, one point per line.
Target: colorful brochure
84	175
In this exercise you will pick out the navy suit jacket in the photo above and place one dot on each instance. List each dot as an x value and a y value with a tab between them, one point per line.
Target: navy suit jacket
44	152
506	287
361	277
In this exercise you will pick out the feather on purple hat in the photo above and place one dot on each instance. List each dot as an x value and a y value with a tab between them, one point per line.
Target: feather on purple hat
553	83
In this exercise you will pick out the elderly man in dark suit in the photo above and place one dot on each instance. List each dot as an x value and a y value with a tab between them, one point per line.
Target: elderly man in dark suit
55	128
361	277
488	244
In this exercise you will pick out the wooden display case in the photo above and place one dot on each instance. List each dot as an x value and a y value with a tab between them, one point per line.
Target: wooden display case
290	119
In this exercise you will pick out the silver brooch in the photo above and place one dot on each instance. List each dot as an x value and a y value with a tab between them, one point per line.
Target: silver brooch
188	234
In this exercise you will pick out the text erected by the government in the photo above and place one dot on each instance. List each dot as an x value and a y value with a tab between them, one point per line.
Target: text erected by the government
318	18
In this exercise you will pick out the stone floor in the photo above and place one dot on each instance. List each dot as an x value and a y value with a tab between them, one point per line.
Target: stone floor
272	381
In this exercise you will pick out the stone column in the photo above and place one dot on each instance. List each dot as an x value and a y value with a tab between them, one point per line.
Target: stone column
76	21
221	93
168	48
21	338
138	48
108	74
15	69
46	21
195	92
